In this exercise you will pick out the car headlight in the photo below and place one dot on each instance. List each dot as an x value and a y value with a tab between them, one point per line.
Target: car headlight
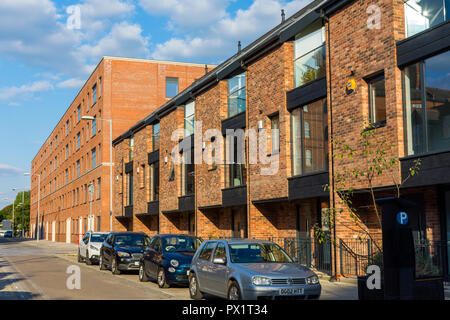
174	263
312	280
261	281
93	248
123	254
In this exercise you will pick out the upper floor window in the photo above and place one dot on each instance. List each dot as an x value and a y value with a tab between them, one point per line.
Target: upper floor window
94	94
78	140
275	134
131	148
79	112
236	174
309	54
78	168
67	127
154	181
99	86
129	189
423	14
94	126
94	158
155	137
171	87
427	105
56	141
377	100
236	95
188	173
67	151
309	152
189	118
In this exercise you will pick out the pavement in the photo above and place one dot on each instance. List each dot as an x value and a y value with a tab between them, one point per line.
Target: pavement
31	270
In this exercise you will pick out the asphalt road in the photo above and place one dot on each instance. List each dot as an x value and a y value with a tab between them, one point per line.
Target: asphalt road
31	270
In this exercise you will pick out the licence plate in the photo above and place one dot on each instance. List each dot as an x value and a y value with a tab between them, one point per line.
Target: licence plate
136	263
291	291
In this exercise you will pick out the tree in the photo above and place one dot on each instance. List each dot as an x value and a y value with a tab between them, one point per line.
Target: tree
6	212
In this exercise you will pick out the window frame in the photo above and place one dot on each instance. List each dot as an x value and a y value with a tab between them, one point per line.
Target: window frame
371	99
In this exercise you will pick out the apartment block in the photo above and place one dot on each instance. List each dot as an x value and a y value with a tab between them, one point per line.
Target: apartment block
70	183
332	71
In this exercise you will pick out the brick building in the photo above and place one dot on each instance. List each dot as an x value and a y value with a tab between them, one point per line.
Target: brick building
73	163
294	79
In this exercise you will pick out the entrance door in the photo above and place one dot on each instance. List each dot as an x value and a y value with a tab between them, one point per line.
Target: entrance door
191	223
239	223
53	230
68	230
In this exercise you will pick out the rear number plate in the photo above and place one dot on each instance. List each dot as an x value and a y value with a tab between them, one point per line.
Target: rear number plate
136	263
291	292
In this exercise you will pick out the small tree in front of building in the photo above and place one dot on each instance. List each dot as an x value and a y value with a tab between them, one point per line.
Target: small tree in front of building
363	164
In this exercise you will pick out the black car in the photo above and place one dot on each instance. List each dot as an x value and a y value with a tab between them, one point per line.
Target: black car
122	251
168	259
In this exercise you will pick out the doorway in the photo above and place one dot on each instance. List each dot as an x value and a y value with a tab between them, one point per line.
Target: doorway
239	223
53	230
68	230
191	223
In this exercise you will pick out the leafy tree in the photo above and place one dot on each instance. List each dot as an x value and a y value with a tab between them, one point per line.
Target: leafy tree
6	212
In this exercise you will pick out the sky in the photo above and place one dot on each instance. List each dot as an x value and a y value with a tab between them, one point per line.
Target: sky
47	53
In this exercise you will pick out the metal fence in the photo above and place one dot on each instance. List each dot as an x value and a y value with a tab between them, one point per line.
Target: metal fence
356	254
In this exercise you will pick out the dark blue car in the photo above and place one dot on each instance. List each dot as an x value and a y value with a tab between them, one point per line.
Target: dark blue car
168	258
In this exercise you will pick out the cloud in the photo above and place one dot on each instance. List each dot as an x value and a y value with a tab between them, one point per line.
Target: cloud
7	170
220	39
24	91
71	83
187	13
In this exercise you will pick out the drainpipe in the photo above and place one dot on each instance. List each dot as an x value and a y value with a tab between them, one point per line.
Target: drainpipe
335	276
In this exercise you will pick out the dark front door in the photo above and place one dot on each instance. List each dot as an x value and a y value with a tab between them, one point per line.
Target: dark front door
239	223
191	223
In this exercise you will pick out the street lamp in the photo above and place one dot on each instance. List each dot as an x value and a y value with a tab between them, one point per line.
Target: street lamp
39	198
91	118
23	205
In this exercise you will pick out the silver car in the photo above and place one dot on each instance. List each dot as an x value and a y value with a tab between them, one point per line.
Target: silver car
249	270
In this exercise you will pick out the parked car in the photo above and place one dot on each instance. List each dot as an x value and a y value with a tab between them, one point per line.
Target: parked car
122	251
168	259
8	234
89	247
249	270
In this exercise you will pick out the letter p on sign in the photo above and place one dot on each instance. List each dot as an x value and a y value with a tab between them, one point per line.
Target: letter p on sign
402	218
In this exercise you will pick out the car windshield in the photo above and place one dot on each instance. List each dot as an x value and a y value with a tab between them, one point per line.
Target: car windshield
130	240
180	244
98	237
257	253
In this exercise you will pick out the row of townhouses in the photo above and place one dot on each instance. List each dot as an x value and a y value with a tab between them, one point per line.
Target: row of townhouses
252	147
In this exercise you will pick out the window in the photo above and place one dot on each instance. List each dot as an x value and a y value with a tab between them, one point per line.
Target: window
99	120
275	134
78	196
155	137
130	189
236	95
154	181
56	141
309	54
99	153
377	100
78	141
220	251
142	179
56	162
171	87
94	126
85	225
78	168
79	112
188	173
427	105
67	151
67	127
93	158
51	147
99	189
309	152
100	86
94	94
85	193
189	118
131	148
424	14
88	100
207	250
98	223
235	156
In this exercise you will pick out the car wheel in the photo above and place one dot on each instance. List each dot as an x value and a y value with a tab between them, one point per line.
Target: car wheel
161	279
234	293
100	262
79	256
142	275
194	290
114	268
87	259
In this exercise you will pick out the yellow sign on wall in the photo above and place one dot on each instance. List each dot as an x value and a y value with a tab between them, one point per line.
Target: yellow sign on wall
351	86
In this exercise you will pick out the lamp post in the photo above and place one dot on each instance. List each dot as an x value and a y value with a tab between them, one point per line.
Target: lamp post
39	198
91	118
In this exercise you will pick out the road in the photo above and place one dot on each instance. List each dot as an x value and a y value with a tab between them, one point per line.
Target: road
31	270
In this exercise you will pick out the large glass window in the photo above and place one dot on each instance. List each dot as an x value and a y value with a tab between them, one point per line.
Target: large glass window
94	158
94	126
188	173
309	130
377	100
427	105
131	148
171	87
236	95
235	153
154	181
94	94
156	136
130	189
189	118
423	14
309	54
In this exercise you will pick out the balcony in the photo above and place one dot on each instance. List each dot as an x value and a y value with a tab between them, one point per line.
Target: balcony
234	196
310	66
421	15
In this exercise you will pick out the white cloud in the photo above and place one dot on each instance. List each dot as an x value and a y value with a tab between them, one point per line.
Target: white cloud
24	91
187	13
220	39
71	83
7	170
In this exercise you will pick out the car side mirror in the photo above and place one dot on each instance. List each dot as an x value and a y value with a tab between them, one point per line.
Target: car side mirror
219	261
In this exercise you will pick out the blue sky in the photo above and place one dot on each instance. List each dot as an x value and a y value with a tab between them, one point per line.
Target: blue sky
44	63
